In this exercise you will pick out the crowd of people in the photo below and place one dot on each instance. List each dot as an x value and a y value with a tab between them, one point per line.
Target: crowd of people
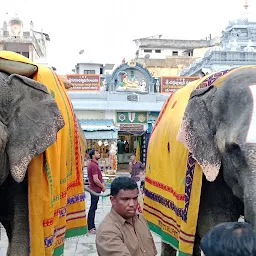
124	231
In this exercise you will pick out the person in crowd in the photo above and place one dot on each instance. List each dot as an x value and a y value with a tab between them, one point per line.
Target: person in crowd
231	238
124	232
96	185
136	169
120	150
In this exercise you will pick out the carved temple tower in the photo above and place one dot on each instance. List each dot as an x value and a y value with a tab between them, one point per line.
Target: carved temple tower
237	47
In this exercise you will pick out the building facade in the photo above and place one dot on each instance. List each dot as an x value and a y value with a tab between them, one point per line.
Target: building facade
23	39
167	57
129	102
237	47
94	68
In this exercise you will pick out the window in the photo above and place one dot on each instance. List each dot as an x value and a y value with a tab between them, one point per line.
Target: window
147	50
132	74
175	53
158	51
89	71
25	54
190	53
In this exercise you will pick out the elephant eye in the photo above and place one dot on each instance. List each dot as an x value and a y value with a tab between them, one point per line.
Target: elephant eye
233	147
236	155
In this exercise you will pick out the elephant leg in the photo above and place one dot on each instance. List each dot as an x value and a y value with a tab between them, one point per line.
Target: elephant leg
217	205
18	227
167	250
197	250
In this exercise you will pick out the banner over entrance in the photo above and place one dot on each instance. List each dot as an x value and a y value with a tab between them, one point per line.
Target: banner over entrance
171	84
84	82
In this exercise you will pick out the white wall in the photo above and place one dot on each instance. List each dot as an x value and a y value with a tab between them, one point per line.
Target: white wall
110	114
82	67
88	114
164	53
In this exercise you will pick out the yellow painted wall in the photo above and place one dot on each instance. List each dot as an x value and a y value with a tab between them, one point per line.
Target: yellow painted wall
158	71
174	71
199	52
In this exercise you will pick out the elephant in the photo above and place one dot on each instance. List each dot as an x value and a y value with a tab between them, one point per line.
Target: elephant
218	129
24	128
31	121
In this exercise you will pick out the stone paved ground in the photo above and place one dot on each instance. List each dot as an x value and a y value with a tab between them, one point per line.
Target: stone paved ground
83	246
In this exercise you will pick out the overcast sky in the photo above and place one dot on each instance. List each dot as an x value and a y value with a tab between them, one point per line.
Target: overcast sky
105	29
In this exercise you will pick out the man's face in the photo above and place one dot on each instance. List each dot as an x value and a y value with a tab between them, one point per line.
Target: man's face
125	203
132	158
97	155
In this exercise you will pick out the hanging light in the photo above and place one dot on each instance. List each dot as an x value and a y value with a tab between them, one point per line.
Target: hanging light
105	143
100	143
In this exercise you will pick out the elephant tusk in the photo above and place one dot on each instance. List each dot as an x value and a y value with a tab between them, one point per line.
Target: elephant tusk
95	193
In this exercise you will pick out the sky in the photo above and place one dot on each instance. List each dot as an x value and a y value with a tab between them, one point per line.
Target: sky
105	29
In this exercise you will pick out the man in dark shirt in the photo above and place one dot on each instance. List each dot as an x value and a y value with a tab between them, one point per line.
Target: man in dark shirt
137	169
96	185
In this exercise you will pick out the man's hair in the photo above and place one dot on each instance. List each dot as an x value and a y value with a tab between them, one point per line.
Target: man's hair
132	154
231	238
120	183
92	153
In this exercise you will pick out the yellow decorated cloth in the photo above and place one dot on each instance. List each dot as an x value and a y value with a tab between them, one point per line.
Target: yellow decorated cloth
56	189
173	177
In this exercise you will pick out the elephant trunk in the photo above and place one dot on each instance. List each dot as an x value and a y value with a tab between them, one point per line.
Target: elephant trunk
250	200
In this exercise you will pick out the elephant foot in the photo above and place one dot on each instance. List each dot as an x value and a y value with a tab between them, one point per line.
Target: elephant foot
197	250
167	250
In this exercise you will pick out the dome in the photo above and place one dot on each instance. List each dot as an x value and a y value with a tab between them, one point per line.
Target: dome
15	20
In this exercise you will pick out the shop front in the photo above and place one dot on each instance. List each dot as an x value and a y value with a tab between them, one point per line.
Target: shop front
102	135
132	127
152	118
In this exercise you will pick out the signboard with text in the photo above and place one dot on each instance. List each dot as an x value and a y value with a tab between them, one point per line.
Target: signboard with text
84	82
171	84
131	127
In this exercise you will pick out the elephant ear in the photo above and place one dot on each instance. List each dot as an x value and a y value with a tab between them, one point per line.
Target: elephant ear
33	122
197	131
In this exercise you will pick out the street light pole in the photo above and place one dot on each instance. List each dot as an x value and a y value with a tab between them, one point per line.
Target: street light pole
77	62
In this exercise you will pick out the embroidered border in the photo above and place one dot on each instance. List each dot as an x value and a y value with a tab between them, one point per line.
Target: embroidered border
59	233
48	241
162	186
49	177
76	138
212	78
62	212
